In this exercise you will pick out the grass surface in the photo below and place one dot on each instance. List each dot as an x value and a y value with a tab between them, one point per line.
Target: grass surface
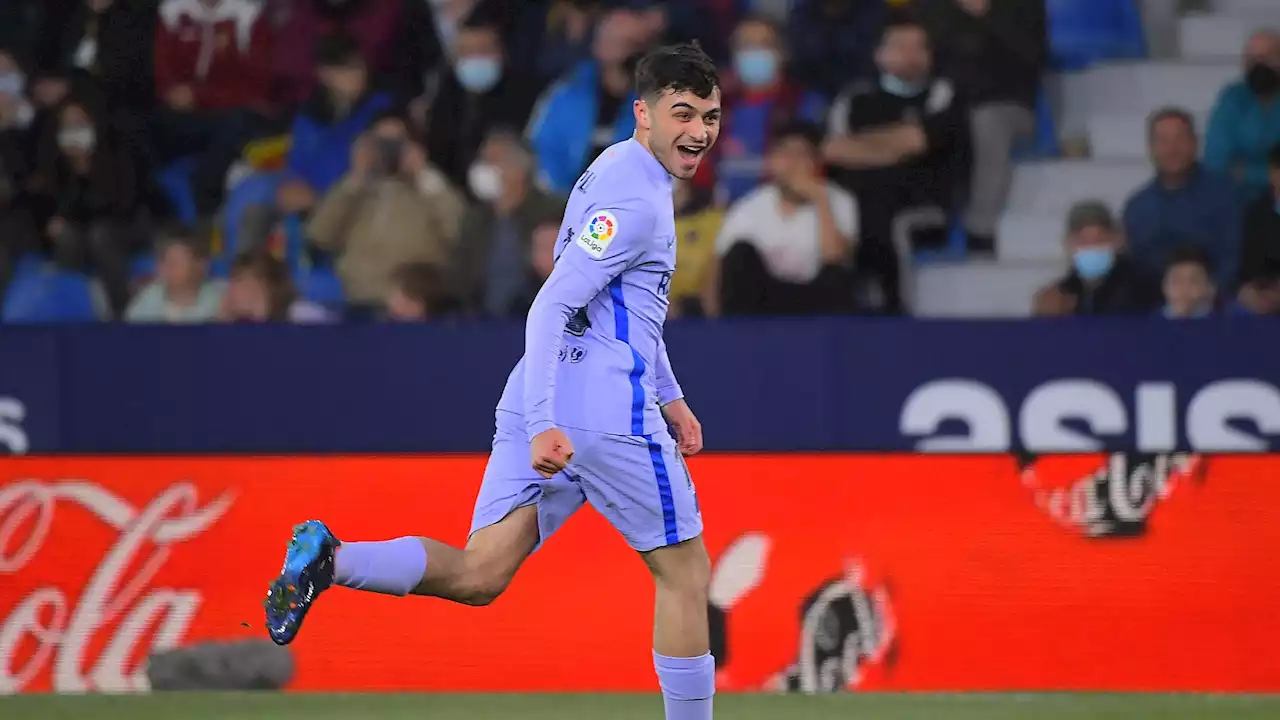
200	706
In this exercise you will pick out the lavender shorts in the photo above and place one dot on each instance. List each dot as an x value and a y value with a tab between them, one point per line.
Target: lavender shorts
639	483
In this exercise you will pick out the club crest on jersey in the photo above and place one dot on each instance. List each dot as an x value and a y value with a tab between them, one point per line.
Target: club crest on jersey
599	233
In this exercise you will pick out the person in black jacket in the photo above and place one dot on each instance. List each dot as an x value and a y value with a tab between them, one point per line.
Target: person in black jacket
1261	248
1103	280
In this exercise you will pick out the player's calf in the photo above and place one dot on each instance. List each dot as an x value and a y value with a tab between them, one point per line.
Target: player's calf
681	644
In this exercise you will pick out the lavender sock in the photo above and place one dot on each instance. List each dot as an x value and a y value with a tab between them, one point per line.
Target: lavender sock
391	567
688	685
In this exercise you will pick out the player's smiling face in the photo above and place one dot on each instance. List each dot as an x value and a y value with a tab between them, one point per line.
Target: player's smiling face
682	129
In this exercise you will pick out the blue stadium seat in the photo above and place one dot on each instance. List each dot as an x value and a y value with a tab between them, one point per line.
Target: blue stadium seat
1083	32
175	180
46	296
320	285
143	266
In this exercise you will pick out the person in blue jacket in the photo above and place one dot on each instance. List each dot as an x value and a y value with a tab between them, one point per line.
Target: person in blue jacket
1245	123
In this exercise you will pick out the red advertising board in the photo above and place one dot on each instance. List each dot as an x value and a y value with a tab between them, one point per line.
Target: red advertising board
830	572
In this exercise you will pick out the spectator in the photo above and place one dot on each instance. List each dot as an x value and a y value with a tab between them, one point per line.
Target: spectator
492	269
260	290
98	207
375	29
17	232
784	248
1102	281
899	144
182	291
1262	227
545	238
832	42
16	112
323	134
213	80
1259	294
1245	123
415	293
995	51
591	108
698	223
483	91
1183	203
567	36
761	99
108	40
391	208
1188	284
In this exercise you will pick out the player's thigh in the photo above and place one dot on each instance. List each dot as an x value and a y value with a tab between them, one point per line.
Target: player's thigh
515	502
641	485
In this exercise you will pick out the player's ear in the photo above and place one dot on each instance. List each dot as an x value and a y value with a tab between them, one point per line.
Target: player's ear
641	109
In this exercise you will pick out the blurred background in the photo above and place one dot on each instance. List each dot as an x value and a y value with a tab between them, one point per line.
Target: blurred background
953	265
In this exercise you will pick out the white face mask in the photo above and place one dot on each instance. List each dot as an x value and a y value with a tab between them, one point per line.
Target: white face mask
485	181
81	138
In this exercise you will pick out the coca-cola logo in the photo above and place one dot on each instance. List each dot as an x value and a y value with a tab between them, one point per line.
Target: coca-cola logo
118	595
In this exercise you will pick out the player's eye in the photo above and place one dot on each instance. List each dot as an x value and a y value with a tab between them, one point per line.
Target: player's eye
682	117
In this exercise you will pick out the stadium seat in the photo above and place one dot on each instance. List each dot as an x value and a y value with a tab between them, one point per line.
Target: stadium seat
1083	32
44	295
175	180
320	285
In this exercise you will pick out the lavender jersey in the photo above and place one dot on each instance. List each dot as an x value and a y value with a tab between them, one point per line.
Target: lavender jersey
594	356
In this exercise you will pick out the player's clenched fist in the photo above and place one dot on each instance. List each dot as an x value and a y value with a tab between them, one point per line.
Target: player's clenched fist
688	429
550	452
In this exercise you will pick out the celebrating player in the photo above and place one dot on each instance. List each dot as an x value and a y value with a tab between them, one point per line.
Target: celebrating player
584	415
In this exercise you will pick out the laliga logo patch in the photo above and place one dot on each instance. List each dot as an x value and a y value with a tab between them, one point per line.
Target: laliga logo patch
599	233
1108	496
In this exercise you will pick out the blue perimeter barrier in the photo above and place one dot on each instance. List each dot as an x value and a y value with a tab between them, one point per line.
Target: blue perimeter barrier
848	384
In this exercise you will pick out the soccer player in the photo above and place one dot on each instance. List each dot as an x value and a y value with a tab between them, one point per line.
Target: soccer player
584	415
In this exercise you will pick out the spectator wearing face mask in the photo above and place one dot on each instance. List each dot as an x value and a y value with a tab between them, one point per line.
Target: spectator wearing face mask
492	271
784	249
590	108
1102	280
100	206
480	91
1245	123
415	293
1188	286
182	291
391	208
761	99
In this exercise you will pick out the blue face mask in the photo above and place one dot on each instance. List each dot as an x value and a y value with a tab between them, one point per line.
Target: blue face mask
478	74
897	86
757	67
1093	263
11	83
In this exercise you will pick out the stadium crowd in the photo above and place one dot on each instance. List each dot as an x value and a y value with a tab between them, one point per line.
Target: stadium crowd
214	160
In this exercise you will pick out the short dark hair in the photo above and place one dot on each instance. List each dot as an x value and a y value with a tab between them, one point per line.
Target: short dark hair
901	19
810	133
1170	113
420	282
185	236
338	49
1189	254
678	69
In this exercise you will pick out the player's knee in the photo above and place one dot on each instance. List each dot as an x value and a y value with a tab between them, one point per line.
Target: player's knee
483	583
683	571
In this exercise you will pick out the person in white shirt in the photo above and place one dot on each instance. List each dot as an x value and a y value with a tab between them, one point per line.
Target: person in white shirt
785	247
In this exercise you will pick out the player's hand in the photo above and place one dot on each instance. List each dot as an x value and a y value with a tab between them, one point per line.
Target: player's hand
550	451
688	429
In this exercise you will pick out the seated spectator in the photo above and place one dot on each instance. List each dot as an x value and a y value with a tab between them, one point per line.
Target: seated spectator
391	208
491	268
260	290
995	51
323	133
1261	246
758	98
213	80
1259	294
900	145
375	28
1103	280
1244	125
182	291
784	249
1183	203
591	108
483	91
107	40
97	206
698	222
832	42
415	293
1188	284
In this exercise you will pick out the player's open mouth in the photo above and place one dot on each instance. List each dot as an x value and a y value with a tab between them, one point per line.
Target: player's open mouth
690	152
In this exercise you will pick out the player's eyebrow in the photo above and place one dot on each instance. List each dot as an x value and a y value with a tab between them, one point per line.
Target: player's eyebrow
687	106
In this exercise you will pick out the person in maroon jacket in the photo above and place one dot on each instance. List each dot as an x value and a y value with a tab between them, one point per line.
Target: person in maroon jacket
213	82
